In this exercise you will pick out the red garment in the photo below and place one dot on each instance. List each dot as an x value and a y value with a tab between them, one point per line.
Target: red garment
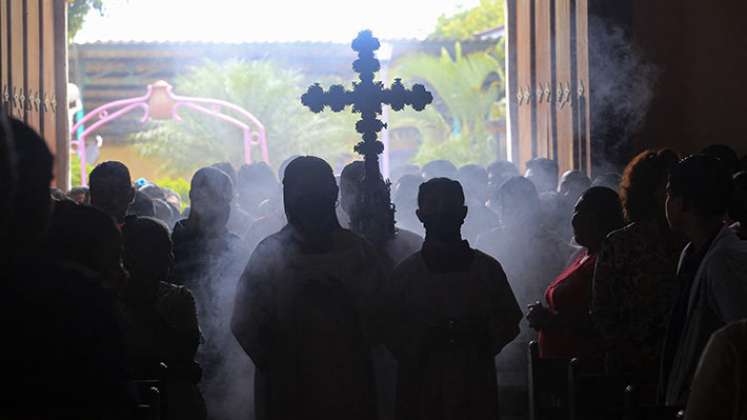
570	294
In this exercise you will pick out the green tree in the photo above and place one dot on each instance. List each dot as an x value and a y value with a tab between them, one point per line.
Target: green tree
466	92
265	89
462	26
75	169
77	10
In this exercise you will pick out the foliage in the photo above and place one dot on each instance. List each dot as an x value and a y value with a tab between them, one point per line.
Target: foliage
265	89
462	26
75	169
466	92
76	14
177	185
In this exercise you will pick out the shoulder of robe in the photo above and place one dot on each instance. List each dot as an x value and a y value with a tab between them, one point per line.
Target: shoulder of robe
408	235
412	263
486	262
270	245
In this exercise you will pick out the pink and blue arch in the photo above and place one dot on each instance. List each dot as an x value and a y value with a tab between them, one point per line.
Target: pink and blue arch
160	103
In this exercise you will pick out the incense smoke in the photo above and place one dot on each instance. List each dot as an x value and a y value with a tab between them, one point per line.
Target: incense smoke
623	84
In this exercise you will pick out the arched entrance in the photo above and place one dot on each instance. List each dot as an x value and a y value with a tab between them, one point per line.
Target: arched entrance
160	103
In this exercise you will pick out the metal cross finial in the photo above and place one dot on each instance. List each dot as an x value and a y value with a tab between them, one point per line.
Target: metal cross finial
367	98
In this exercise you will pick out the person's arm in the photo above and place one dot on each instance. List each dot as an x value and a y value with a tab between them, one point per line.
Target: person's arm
251	320
714	395
541	317
506	315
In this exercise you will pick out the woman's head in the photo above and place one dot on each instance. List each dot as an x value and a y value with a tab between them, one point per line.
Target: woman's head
643	187
597	213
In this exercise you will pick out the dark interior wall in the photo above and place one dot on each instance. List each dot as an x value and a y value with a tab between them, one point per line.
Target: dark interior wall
696	53
700	52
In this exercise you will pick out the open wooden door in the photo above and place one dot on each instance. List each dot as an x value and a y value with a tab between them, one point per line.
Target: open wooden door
33	72
548	60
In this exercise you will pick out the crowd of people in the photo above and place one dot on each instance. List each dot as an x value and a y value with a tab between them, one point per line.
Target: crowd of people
260	300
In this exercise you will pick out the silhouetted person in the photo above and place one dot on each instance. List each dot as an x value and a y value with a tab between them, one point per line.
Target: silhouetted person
572	185
719	389
499	172
564	326
725	154
111	189
202	239
543	173
153	191
522	242
255	184
164	212
403	170
453	311
712	272
635	279
530	256
88	238
306	307
239	220
439	169
392	252
474	180
141	206
174	200
80	195
64	333
209	260
738	208
160	318
405	198
404	243
259	195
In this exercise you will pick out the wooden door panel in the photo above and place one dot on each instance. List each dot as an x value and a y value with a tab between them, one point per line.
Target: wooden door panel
33	68
4	70
582	145
524	73
18	77
563	76
543	79
48	74
33	71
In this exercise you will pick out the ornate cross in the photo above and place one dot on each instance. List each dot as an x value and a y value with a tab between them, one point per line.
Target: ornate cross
375	220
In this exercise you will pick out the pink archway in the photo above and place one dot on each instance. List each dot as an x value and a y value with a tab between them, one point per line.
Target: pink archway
160	103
